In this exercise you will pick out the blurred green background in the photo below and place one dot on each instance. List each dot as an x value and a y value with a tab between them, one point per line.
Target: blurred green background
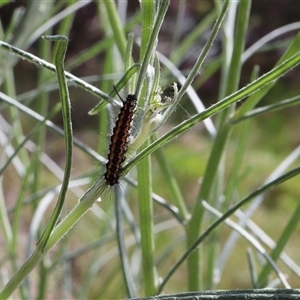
273	136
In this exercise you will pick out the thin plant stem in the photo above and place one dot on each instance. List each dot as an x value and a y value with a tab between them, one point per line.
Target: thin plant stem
66	113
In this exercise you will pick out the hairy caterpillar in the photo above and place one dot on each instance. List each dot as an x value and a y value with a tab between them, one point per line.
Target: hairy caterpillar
120	139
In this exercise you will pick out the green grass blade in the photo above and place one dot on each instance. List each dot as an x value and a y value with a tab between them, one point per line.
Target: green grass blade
269	37
252	240
116	26
229	212
99	46
149	42
268	109
172	185
28	136
195	70
151	24
255	98
66	113
265	79
239	154
42	63
185	45
281	243
4	221
51	126
121	83
144	169
57	234
127	274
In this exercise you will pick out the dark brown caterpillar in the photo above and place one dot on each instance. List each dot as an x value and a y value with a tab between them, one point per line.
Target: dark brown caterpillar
120	139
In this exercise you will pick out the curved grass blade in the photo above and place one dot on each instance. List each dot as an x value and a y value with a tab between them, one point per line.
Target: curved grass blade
220	220
66	113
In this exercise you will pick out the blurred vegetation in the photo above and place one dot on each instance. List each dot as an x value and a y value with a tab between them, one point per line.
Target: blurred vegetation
86	263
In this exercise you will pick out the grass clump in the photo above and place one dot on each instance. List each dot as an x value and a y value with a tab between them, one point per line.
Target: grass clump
153	236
